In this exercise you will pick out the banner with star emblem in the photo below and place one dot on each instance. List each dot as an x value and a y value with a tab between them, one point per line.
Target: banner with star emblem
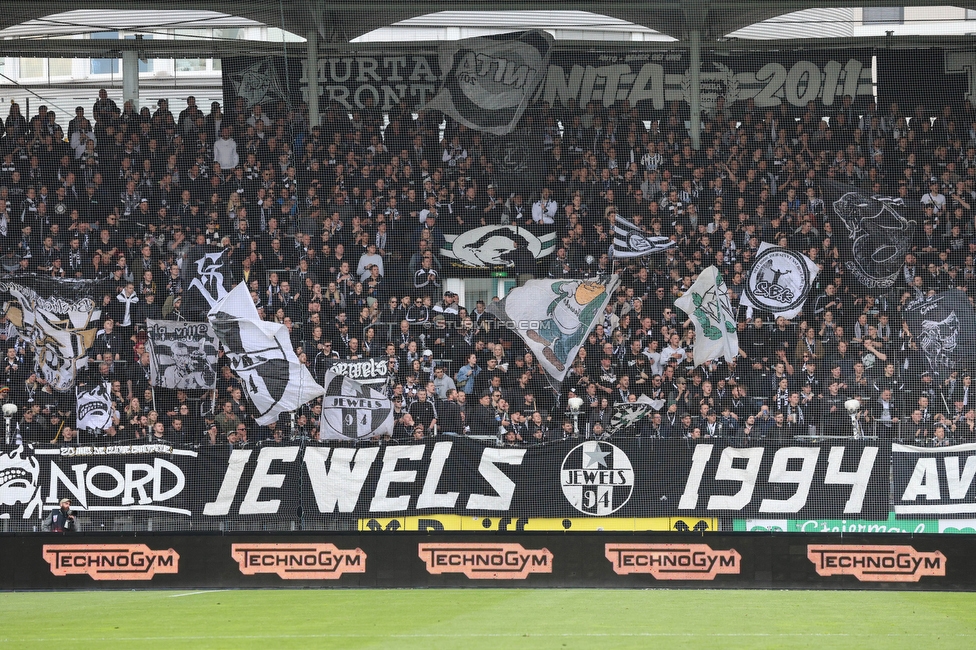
351	411
707	302
256	80
459	477
261	354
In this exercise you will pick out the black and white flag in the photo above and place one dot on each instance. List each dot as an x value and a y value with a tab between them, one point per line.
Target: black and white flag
373	371
57	318
944	328
626	415
181	355
489	81
262	356
351	411
779	281
210	280
94	406
630	241
879	234
493	247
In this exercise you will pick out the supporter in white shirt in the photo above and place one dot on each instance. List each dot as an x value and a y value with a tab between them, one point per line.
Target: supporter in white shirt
367	260
673	351
544	210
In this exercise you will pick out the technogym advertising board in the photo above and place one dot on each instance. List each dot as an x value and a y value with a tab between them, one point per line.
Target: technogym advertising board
742	560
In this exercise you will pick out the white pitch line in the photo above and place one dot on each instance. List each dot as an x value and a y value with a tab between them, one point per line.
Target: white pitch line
196	593
503	635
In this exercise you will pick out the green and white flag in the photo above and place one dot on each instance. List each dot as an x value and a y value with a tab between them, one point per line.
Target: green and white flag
707	302
554	317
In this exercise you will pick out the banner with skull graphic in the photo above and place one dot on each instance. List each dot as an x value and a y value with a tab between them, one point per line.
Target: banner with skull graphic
58	318
943	327
879	234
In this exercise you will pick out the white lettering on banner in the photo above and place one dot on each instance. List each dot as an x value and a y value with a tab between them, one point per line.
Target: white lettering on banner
228	487
919	479
503	486
350	80
389	475
779	473
339	487
252	505
858	480
924	481
106	482
768	86
745	477
803	478
429	497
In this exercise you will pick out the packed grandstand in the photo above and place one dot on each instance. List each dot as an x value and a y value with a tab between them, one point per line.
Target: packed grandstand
340	230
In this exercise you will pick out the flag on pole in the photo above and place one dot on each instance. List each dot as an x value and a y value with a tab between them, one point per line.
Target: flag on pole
630	241
707	302
554	317
488	81
262	356
181	355
779	281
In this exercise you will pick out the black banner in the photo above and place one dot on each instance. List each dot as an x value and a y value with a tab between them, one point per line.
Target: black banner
936	481
265	486
949	78
647	80
943	325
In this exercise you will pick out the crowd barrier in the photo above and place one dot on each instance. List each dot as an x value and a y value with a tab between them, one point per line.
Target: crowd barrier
744	560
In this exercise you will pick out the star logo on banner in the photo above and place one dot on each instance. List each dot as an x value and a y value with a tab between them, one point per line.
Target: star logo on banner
257	82
595	458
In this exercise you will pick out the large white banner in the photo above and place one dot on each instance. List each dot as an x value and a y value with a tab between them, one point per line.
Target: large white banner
262	356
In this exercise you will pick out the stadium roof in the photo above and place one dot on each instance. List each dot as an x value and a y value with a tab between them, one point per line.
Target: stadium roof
341	21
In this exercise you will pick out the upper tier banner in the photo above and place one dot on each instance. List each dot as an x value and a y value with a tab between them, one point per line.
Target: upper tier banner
647	80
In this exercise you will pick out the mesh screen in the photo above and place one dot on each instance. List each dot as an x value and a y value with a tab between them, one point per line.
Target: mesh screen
379	188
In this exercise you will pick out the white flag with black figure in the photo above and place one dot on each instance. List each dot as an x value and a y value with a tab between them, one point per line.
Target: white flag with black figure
94	406
779	281
707	302
262	356
629	240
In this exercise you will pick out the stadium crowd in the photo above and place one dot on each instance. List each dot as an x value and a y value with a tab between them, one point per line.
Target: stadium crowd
337	230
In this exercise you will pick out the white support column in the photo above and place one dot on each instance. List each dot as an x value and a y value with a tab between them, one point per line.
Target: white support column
130	77
694	62
312	60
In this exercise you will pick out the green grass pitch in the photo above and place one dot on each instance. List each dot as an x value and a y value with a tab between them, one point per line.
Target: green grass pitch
488	618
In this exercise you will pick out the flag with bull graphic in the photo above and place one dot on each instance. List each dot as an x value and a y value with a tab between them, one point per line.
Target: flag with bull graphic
351	411
261	354
489	81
